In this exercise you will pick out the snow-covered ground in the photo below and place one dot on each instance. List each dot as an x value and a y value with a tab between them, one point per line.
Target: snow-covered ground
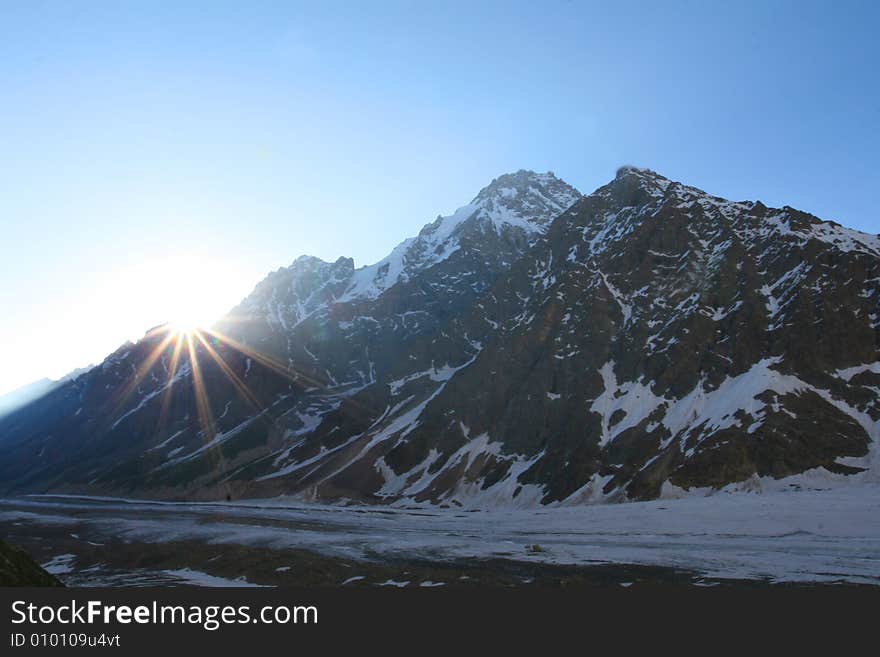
807	535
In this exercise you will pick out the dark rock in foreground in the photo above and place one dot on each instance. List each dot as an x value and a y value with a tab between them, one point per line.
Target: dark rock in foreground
18	569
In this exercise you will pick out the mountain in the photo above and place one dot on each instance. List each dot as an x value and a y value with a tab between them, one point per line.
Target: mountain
26	394
534	347
661	339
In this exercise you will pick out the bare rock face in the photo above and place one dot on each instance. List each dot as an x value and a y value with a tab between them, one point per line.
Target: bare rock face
535	346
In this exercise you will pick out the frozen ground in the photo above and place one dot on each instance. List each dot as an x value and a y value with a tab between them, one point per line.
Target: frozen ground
796	536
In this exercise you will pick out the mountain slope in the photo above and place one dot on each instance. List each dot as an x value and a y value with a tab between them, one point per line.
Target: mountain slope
663	338
307	339
533	347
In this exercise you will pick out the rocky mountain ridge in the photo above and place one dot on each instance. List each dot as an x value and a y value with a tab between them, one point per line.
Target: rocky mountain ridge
534	347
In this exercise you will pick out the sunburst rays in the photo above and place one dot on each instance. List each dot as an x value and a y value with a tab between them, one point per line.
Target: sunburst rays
239	385
172	373
188	352
145	367
285	371
190	345
203	404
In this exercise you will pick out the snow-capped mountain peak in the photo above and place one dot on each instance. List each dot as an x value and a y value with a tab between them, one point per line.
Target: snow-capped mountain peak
751	220
653	341
523	202
525	199
290	294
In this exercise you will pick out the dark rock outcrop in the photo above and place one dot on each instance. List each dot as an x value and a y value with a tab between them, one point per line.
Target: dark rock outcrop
18	569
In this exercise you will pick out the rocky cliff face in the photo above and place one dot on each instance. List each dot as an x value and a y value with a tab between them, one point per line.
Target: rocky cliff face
660	338
535	346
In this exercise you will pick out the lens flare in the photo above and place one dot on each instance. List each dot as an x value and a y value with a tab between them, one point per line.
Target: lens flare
180	351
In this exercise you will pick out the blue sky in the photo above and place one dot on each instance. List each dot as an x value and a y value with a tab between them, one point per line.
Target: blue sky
159	152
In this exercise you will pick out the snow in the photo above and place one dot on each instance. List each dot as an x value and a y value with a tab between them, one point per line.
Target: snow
704	411
434	243
591	492
407	486
526	208
167	441
783	535
198	578
635	399
435	374
848	373
217	439
780	224
396	483
625	308
299	465
845	239
404	424
398	427
182	372
717	314
713	410
784	287
471	494
60	565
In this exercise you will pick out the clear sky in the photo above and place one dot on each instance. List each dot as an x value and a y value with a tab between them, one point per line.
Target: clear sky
158	158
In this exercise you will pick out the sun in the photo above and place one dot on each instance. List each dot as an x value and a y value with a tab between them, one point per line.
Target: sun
192	292
191	315
185	326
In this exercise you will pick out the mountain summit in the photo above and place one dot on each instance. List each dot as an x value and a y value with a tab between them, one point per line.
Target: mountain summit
526	199
516	206
534	347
